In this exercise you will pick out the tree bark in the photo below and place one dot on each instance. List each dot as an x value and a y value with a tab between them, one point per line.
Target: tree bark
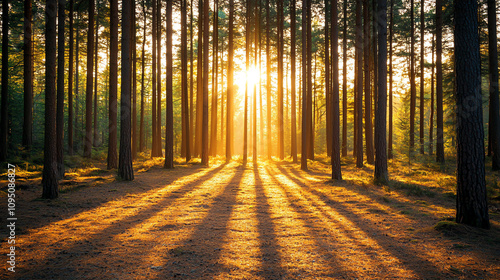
472	206
113	86
125	170
268	79
186	138
439	84
305	129
413	91
493	87
49	176
391	34
28	79
60	89
335	156
293	84
87	147
344	84
328	83
422	77
359	86
135	137
96	53
169	123
230	72
215	93
381	174
142	132
204	138
199	82
368	97
431	118
4	115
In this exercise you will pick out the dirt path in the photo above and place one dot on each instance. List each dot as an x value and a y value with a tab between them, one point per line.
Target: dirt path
270	221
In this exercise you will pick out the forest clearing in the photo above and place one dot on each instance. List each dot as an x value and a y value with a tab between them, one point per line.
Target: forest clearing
265	221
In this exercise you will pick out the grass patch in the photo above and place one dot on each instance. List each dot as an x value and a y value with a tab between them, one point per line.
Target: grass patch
412	189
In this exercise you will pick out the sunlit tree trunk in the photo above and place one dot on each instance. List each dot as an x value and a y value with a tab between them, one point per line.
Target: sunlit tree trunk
431	118
303	157
142	131
230	72
199	82
158	77
391	34
60	88
359	85
191	80
204	138
154	116
186	139
381	174
413	90
247	67
96	64
472	206
28	79
367	88
125	170
256	43
422	81
113	86
49	176
135	137
268	79
344	83
310	113
169	122
328	93
213	130
335	111
439	84
87	147
281	138
293	84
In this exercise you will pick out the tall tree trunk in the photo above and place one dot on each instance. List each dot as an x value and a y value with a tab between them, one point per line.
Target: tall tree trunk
310	120
413	90
439	84
281	139
493	79
431	118
256	42
293	84
125	170
60	89
328	97
158	78
230	72
268	80
49	176
191	81
305	129
247	67
113	86
344	83
199	82
204	138
142	131
94	133
222	99
70	78
77	79
87	147
154	116
169	123
368	97
391	34
28	79
184	84
4	122
335	111
422	81
381	174
215	67
359	85
134	86
472	206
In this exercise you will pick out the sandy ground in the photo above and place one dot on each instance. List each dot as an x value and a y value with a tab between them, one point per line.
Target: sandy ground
264	221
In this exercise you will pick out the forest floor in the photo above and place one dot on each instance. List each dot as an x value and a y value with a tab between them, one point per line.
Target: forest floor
265	221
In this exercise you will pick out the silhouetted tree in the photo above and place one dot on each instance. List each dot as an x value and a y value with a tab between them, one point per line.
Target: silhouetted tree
87	147
113	86
28	79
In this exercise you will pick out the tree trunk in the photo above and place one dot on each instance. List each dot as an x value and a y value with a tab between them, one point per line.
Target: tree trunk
431	118
28	79
413	91
247	67
439	84
305	129
215	93
87	147
142	131
191	81
184	84
493	79
125	170
134	85
344	84
359	85
368	97
335	156
49	176
230	72
77	79
293	85
158	22
169	123
4	122
310	120
391	34
268	79
422	81
60	89
113	86
381	174
70	78
256	42
95	133
328	97
199	84
154	116
204	138
472	206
